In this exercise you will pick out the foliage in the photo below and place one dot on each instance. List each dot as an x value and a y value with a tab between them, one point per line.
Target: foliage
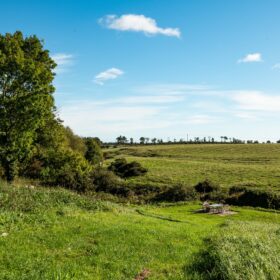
98	141
65	168
146	191
121	140
106	181
75	142
252	197
176	193
51	134
25	96
206	187
93	153
126	169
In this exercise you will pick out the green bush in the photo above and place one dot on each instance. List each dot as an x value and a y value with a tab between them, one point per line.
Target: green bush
236	190
144	189
124	169
255	198
106	181
93	153
65	168
176	193
216	195
206	187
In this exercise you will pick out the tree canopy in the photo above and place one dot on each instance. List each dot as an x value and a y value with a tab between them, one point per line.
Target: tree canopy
26	101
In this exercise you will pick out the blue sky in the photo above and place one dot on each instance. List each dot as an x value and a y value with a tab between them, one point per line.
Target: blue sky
160	68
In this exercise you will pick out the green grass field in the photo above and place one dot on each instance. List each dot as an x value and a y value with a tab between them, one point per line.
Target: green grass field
226	164
56	234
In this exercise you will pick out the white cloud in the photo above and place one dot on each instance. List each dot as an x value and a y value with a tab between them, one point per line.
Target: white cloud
63	61
137	23
87	118
173	89
109	74
258	101
151	99
200	119
252	57
115	113
246	115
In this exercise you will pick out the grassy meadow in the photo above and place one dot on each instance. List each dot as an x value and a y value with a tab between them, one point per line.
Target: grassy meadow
253	165
53	233
57	234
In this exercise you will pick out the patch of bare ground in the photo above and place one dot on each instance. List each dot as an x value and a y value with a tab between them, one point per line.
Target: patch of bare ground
144	274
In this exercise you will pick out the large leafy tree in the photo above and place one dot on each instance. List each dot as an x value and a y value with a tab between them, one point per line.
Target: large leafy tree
26	101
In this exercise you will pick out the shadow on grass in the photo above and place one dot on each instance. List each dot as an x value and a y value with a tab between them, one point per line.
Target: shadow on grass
204	265
159	217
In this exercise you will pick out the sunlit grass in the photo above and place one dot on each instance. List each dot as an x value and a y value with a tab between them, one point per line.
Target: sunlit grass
56	234
228	165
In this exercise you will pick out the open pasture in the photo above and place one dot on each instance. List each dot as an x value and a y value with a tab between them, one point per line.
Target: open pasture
252	165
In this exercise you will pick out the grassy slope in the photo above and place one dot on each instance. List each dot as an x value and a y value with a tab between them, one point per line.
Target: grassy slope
256	165
55	234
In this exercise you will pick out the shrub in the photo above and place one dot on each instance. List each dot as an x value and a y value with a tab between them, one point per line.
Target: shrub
176	193
2	173
93	153
124	169
255	198
106	181
144	189
65	168
236	190
206	187
74	142
217	195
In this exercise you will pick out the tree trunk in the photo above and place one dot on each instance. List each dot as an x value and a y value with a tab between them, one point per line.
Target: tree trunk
10	169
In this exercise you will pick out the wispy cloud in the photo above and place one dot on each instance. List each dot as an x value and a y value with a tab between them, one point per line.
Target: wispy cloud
110	74
257	101
162	110
276	66
246	115
158	99
137	23
201	119
86	117
252	57
63	61
173	89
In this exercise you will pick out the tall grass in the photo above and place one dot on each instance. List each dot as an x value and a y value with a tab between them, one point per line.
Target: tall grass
242	250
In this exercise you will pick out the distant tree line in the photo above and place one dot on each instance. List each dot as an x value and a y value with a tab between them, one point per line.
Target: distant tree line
123	140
